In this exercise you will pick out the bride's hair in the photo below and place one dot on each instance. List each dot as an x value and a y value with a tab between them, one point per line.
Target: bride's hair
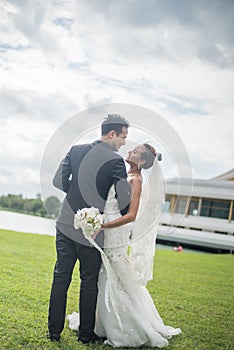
149	156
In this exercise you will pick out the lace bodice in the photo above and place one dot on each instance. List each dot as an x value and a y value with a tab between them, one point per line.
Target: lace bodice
111	208
115	238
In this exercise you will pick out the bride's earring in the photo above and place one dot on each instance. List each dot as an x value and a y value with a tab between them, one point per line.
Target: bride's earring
138	167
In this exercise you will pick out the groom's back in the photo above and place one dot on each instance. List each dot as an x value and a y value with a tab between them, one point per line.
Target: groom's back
93	172
93	168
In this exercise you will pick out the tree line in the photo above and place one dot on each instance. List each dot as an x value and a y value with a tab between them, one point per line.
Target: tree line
32	206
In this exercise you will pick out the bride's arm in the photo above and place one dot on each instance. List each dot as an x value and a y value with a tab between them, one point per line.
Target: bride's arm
133	207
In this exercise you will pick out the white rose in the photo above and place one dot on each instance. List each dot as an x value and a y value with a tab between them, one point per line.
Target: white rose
93	212
77	220
99	218
76	224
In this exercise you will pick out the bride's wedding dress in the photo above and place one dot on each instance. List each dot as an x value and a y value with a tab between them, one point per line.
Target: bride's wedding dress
125	314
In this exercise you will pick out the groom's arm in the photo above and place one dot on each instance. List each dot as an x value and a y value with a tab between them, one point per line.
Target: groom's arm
62	177
122	188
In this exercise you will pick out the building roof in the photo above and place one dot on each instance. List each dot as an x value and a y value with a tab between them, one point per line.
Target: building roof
200	188
228	176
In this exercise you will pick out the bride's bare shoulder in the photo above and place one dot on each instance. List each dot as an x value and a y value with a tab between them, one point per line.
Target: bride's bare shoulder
135	179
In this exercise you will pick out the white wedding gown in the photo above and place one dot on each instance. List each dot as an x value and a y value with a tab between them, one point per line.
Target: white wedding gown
125	314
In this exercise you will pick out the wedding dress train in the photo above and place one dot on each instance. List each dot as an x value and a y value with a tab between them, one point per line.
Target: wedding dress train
125	314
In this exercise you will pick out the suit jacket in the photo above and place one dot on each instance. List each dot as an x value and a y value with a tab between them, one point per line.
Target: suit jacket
86	175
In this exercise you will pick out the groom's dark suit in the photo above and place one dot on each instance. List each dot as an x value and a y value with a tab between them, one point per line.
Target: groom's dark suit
86	175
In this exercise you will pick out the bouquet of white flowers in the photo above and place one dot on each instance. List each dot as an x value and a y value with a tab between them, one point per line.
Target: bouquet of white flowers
89	220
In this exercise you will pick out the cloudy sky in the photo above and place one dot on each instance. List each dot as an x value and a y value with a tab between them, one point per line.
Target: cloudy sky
60	57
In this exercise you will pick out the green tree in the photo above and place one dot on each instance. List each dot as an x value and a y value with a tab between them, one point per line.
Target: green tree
52	205
13	202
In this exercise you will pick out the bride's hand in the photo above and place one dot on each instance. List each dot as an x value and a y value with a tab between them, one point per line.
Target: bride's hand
94	235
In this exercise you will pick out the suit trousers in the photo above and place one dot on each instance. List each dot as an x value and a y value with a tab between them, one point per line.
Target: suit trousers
68	251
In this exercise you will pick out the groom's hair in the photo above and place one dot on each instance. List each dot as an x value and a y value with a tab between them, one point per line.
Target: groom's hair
114	122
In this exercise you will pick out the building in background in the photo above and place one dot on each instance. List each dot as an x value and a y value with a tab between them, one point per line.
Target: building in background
204	219
229	176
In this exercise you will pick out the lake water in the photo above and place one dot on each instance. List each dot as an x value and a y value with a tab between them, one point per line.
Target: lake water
38	225
26	223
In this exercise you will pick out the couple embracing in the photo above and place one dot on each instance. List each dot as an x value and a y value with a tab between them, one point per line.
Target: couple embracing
114	304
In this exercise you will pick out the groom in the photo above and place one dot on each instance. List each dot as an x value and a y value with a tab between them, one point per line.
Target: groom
86	175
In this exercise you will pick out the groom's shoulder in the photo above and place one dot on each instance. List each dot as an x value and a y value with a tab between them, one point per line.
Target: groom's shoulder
81	147
97	148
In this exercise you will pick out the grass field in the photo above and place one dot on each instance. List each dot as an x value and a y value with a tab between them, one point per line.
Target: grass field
191	291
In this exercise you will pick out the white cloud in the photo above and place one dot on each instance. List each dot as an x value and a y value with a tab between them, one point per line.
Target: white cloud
60	57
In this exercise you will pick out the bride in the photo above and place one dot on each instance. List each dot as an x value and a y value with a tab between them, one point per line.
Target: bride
126	315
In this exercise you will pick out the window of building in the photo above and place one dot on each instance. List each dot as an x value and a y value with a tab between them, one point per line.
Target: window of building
193	207
167	204
180	205
215	208
233	213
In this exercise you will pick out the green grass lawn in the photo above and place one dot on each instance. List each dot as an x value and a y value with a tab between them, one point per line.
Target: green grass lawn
191	291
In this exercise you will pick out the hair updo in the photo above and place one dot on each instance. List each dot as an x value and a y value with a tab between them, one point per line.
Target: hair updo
148	155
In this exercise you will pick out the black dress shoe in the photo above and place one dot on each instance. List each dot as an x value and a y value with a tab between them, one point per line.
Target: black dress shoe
94	339
53	336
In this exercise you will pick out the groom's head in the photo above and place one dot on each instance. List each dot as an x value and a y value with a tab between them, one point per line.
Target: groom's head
115	131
